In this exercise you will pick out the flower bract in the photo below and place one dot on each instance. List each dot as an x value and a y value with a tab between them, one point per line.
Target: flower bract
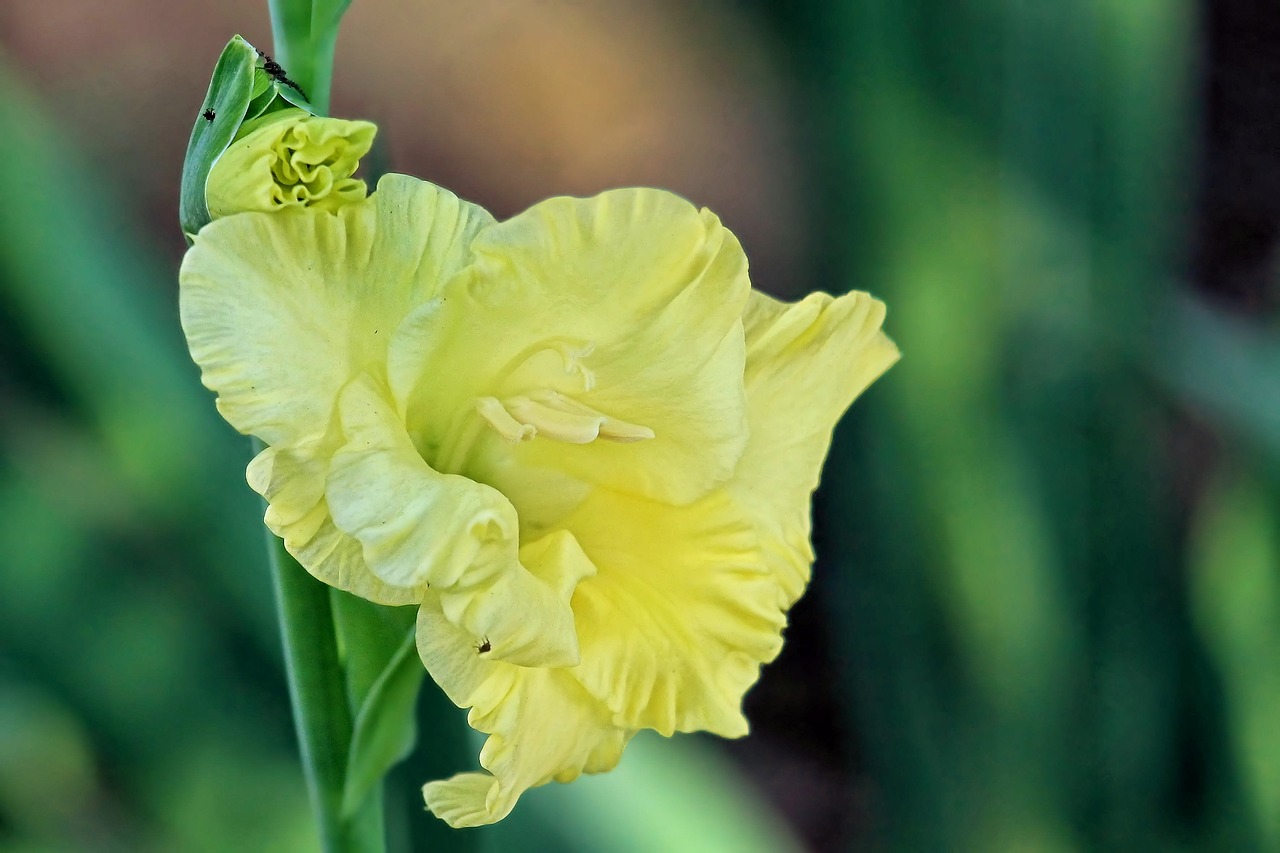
577	439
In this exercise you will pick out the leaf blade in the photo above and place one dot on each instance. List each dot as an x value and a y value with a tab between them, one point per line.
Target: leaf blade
385	728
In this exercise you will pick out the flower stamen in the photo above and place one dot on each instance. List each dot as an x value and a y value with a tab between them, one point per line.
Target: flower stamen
552	415
492	410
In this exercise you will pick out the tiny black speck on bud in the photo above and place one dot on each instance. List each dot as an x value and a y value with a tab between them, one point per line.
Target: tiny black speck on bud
208	115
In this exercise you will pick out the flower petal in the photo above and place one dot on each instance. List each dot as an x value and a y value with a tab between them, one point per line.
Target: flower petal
674	627
542	724
806	363
627	304
282	309
421	528
290	158
293	482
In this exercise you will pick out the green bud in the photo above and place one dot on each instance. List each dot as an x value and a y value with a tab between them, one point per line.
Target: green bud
246	85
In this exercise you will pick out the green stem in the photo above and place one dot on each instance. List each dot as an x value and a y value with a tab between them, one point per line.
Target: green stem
304	47
318	694
318	690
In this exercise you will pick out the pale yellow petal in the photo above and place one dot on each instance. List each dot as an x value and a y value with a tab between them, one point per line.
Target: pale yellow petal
293	480
806	363
290	158
627	305
542	725
281	310
420	528
682	613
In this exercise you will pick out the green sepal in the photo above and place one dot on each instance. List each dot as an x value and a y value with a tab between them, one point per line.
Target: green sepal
240	91
273	97
385	729
263	94
227	101
293	96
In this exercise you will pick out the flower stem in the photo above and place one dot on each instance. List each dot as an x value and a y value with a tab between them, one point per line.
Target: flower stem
304	47
321	715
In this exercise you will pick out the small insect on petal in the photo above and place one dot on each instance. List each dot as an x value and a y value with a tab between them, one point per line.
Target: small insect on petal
208	115
484	646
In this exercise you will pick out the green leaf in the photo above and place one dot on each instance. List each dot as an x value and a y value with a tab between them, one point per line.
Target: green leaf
369	637
293	96
230	91
1235	599
384	728
265	93
271	94
1200	348
261	103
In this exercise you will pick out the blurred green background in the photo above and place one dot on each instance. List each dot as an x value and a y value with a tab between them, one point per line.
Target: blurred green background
1046	612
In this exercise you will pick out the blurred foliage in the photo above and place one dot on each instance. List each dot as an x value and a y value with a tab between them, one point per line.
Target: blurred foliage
1236	602
136	618
1053	628
1022	665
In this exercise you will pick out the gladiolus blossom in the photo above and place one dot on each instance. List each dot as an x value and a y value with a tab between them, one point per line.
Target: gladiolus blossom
577	440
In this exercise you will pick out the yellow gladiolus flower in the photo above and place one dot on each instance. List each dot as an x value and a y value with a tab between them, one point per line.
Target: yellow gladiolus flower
577	439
